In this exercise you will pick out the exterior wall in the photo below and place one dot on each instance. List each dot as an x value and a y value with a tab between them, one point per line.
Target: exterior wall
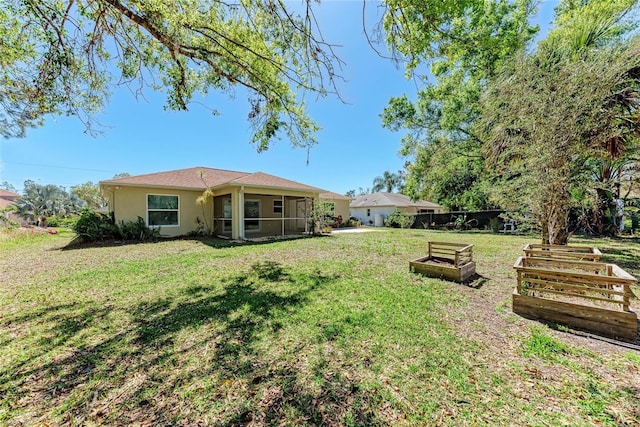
267	227
341	207
361	213
129	203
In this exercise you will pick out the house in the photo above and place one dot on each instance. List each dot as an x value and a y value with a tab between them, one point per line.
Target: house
336	204
239	205
372	209
7	199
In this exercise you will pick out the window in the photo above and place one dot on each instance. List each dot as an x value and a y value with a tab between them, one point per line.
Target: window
368	212
251	210
425	211
330	208
277	206
226	214
162	210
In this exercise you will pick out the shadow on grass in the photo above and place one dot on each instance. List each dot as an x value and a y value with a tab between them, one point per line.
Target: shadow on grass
201	339
213	242
628	259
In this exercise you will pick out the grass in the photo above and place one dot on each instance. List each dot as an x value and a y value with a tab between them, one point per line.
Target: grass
322	331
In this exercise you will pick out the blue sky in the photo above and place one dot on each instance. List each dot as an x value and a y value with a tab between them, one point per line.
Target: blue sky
142	137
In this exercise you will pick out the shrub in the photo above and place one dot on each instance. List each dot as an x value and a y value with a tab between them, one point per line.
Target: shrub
138	230
495	224
62	221
93	226
7	222
398	218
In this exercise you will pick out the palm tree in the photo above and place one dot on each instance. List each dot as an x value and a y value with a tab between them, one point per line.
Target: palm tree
41	201
388	181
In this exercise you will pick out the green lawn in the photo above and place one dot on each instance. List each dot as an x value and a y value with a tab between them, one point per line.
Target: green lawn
321	331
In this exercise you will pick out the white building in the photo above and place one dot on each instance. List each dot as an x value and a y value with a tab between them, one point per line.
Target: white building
372	209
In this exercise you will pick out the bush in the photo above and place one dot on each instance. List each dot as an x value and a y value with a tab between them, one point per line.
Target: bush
94	227
62	221
138	230
495	224
398	218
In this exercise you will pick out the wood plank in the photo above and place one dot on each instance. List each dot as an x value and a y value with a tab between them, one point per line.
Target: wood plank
458	245
611	323
585	297
565	285
574	279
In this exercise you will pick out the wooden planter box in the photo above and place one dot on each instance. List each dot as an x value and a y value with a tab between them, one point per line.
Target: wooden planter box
576	253
584	295
451	261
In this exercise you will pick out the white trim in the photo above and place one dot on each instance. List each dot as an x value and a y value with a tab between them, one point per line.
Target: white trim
281	206
162	210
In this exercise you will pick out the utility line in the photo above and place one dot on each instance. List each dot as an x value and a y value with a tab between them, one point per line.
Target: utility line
57	167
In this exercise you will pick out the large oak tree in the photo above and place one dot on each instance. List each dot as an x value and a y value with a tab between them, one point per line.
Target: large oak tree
65	56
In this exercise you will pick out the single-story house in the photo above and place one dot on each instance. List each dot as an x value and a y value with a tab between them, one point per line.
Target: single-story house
372	209
336	204
7	199
238	205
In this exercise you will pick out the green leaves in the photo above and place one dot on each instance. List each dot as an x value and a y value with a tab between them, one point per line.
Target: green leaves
67	53
464	43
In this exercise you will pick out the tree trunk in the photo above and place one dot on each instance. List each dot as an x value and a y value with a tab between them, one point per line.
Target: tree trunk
554	218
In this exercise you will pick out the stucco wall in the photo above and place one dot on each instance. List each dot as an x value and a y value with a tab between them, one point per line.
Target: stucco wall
341	207
361	213
128	203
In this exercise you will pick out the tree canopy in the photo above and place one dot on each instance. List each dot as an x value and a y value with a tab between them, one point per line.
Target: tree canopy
574	100
64	56
464	44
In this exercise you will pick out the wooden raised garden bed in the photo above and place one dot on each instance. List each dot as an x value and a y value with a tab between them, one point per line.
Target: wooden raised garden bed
585	295
577	253
451	261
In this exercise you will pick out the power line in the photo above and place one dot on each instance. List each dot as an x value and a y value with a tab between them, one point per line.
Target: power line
58	167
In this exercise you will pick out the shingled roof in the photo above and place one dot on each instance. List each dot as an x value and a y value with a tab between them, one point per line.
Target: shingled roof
335	196
7	198
200	178
389	199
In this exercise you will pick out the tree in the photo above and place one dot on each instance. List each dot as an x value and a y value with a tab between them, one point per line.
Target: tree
6	185
388	182
351	194
464	44
64	56
90	194
40	201
573	99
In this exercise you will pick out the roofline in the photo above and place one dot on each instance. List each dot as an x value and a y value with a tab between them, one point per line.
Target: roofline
169	187
270	187
227	184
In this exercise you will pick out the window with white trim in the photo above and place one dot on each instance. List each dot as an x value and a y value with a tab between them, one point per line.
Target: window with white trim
163	210
277	206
